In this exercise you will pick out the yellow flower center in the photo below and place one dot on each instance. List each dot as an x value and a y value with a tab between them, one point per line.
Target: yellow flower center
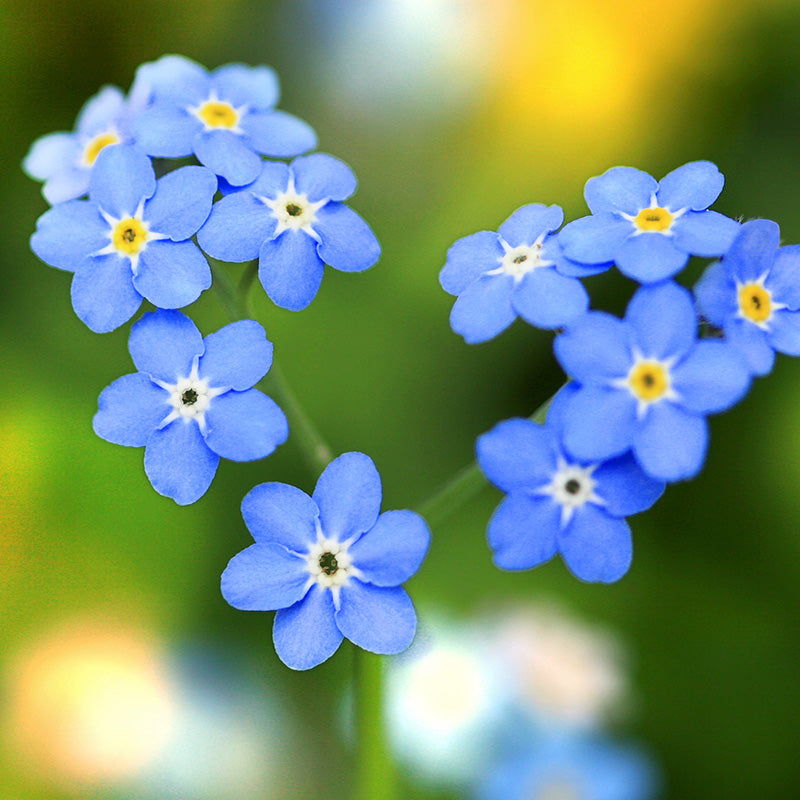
217	114
92	150
648	380
755	302
653	219
129	236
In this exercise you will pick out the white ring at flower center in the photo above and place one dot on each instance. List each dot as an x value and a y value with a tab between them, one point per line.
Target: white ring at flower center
572	486
293	211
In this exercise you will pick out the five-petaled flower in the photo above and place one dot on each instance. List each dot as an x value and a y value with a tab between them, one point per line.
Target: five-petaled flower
330	564
131	239
557	503
497	276
753	294
192	401
293	221
648	228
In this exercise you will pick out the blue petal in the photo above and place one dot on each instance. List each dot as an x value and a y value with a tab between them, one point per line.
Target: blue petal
595	546
170	76
182	202
172	274
278	134
379	619
164	344
783	280
227	155
671	443
599	423
695	185
178	463
237	227
650	257
271	181
595	240
549	300
518	454
595	349
483	309
121	178
663	320
130	409
50	155
100	111
716	294
348	494
346	242
278	512
103	295
290	270
753	251
66	185
323	177
557	410
165	131
704	233
305	634
752	343
711	378
574	269
264	577
620	189
241	85
785	332
390	552
244	426
522	531
69	233
526	224
237	356
625	488
468	259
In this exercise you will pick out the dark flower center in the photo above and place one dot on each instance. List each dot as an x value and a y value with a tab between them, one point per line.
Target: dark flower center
294	210
189	397
328	563
572	486
520	258
129	235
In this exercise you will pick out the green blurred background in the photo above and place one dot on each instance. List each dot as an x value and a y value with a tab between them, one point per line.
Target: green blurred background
452	114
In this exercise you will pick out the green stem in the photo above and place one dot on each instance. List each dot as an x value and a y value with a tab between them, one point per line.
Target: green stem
376	778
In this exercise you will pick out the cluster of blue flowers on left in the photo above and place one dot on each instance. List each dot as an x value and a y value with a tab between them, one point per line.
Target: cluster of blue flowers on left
141	190
632	416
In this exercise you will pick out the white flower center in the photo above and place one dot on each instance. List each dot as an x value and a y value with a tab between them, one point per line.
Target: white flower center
572	486
190	398
518	261
329	564
294	211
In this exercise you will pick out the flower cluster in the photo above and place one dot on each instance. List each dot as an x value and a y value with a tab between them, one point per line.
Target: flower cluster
633	415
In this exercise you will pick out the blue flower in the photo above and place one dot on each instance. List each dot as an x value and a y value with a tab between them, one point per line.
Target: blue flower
130	239
192	401
293	221
226	118
497	276
331	564
646	383
577	768
753	294
648	228
557	503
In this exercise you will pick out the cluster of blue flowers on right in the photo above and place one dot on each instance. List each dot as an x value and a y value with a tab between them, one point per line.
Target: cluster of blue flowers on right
632	416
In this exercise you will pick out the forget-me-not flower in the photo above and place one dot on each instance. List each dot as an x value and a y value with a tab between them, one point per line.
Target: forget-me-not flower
498	276
131	239
226	118
557	503
192	401
292	219
646	383
753	294
649	228
330	564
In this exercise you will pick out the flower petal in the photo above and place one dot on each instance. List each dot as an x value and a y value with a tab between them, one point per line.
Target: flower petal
237	227
785	332
164	344
468	259
625	488
103	294
522	531
290	270
306	634
595	349
549	300
526	224
50	155
69	233
782	280
244	426
241	85
620	189
182	202
483	309
753	251
391	551
704	233
596	546
650	257
226	154
716	293
346	242
178	462
121	178
237	356
695	185
712	378
348	494
165	131
264	577
663	319
596	239
671	444
753	343
323	177
172	274
130	409
278	134
379	619
278	512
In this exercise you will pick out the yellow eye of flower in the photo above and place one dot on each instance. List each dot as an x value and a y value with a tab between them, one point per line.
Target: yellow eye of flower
217	114
648	380
755	302
653	219
129	236
92	150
